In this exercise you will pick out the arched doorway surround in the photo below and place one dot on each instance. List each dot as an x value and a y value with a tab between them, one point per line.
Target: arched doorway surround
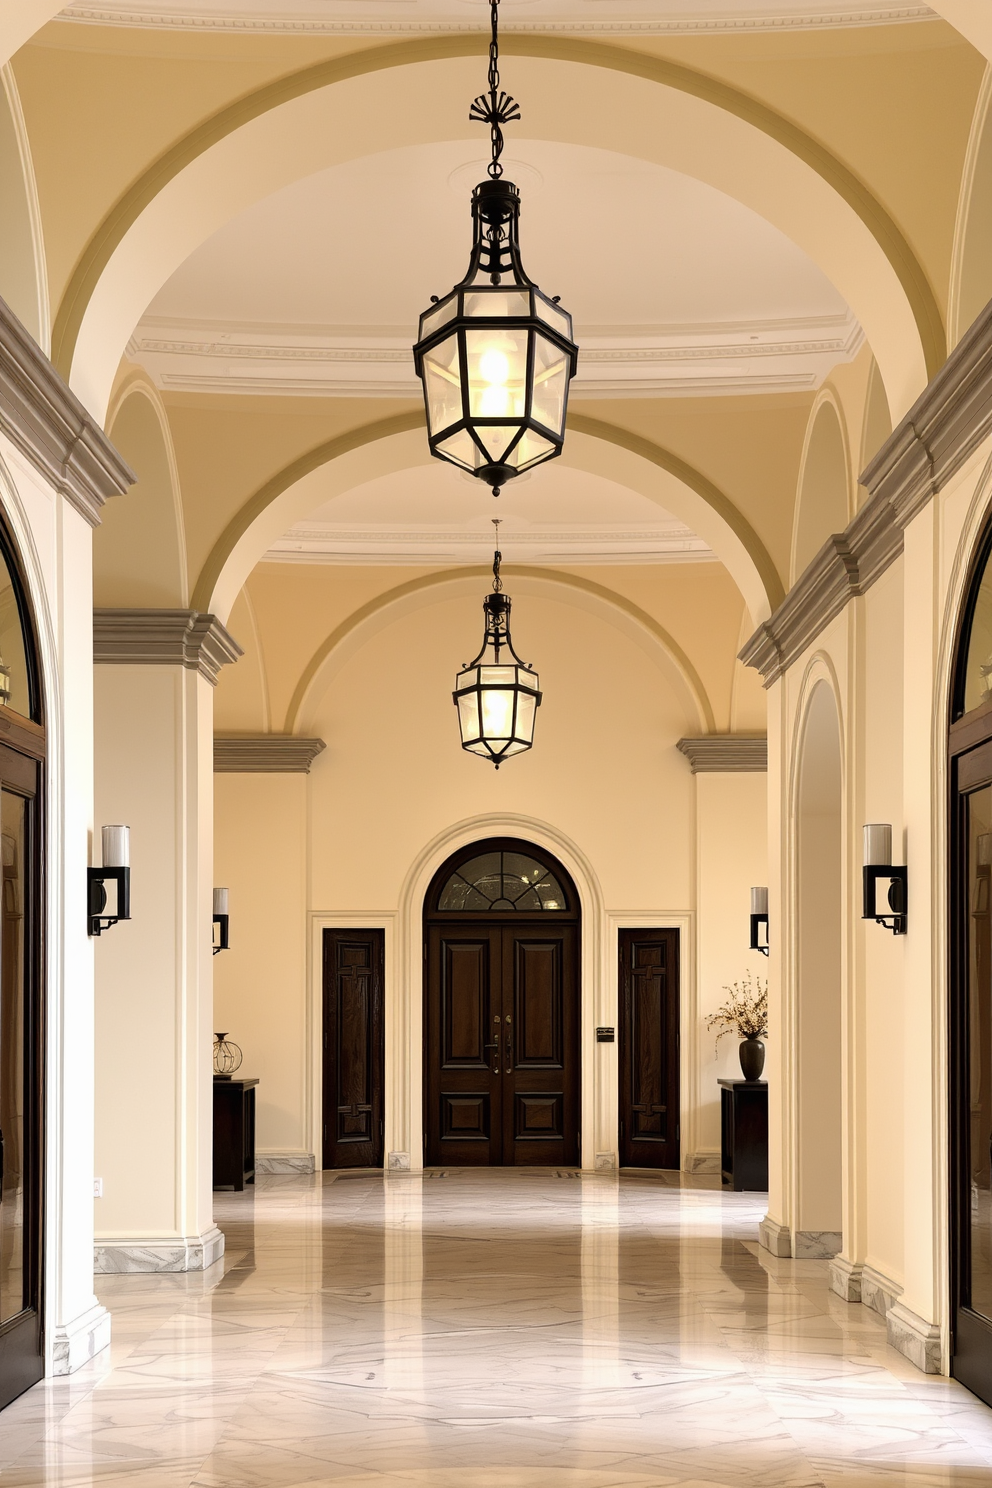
502	1074
22	980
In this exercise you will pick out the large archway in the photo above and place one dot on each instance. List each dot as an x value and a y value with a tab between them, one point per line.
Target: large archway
502	1075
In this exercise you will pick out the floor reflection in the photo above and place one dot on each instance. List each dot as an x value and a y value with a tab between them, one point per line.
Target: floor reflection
504	1328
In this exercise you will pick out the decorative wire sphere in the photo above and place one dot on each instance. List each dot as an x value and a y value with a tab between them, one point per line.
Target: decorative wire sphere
227	1056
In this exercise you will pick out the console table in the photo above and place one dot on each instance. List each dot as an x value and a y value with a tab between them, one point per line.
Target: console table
744	1134
234	1132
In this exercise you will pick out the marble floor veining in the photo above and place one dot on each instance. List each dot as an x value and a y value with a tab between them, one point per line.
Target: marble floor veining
493	1329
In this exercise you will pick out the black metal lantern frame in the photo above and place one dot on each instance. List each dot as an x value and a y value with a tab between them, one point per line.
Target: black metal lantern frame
496	355
497	700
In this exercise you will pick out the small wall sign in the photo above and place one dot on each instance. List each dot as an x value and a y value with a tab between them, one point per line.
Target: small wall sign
605	1035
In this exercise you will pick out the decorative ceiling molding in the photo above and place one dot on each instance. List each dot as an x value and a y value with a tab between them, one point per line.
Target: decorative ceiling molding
132	637
183	16
265	754
45	420
947	423
767	356
731	754
339	544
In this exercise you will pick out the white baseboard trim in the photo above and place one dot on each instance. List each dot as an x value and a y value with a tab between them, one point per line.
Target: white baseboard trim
171	1253
285	1162
878	1291
775	1238
816	1245
702	1162
845	1278
917	1340
75	1344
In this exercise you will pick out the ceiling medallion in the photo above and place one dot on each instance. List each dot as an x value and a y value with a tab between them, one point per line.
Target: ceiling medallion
495	355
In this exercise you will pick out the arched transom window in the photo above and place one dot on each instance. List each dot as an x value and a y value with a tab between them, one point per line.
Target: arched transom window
511	882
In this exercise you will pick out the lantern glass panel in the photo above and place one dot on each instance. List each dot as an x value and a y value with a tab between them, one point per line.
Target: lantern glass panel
497	302
497	438
551	368
532	449
497	712
497	373
559	319
444	394
461	449
439	316
526	708
468	716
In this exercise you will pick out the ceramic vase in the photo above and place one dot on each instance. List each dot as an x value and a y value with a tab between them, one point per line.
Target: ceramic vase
752	1057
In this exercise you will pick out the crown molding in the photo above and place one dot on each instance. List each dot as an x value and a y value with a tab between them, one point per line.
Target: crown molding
945	426
329	544
45	420
764	356
265	754
182	16
132	637
730	754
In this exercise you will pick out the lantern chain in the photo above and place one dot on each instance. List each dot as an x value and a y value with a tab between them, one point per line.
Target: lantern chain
495	108
497	560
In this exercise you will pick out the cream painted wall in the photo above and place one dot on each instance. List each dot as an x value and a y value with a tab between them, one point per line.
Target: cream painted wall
731	855
260	984
139	550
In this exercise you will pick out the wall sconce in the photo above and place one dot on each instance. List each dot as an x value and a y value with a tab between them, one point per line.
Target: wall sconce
116	869
759	917
222	920
879	866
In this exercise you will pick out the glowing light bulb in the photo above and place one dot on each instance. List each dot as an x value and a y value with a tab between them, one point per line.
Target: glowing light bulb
494	367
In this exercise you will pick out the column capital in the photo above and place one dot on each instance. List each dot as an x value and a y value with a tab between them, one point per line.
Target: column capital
186	638
265	754
726	753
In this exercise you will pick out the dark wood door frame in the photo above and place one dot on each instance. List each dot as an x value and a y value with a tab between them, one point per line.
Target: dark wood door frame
649	1120
353	1048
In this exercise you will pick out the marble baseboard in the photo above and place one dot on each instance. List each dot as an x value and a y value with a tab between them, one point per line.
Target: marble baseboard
775	1238
816	1245
845	1278
398	1162
914	1338
285	1162
606	1162
702	1162
75	1344
175	1253
878	1292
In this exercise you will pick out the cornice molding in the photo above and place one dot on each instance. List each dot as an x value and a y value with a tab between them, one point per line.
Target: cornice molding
265	754
45	420
731	754
163	638
945	425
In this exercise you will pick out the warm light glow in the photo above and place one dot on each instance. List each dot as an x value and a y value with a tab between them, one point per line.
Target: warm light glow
494	367
497	713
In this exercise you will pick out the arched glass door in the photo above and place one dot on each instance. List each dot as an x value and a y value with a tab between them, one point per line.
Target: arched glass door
501	1009
22	755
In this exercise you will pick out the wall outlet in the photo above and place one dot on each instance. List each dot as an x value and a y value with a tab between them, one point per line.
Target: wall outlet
98	1188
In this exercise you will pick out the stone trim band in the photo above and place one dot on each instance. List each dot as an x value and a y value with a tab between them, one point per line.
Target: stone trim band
265	754
727	753
163	638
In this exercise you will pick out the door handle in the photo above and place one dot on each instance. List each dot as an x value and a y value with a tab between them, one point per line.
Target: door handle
509	1049
496	1047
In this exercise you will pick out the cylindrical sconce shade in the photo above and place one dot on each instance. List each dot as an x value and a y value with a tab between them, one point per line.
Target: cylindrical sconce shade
116	847
220	901
759	901
878	845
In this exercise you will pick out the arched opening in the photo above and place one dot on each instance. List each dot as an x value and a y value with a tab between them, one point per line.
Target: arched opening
822	507
970	979
502	1079
819	1203
22	837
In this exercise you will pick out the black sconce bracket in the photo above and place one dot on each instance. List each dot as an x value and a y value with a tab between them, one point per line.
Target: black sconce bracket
223	938
757	920
896	878
97	879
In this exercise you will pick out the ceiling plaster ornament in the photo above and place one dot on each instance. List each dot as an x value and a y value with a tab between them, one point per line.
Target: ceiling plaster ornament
683	18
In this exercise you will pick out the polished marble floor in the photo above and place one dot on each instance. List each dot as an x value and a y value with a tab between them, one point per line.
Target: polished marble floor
506	1329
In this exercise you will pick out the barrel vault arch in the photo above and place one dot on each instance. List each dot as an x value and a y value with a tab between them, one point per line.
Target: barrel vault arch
650	108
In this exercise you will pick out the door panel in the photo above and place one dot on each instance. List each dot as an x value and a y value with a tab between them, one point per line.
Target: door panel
353	1048
649	1049
501	1044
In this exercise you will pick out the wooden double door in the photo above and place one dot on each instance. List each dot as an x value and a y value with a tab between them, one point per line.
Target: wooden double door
502	1070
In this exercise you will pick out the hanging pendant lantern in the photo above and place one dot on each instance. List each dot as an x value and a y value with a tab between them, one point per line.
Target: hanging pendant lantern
497	700
496	355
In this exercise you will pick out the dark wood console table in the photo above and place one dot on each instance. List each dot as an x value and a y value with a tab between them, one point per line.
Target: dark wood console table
234	1132
744	1134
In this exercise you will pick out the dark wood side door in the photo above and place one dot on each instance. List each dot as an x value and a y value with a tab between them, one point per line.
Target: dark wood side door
21	1092
354	1048
649	1048
501	1044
